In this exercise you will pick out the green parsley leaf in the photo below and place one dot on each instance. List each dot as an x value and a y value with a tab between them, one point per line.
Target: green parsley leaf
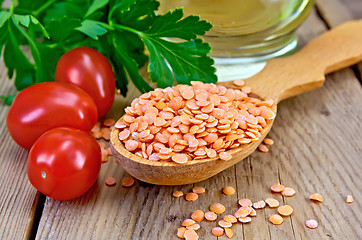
130	66
171	25
4	16
60	29
25	72
92	28
96	4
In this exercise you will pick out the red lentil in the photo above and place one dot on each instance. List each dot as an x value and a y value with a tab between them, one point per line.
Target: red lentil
194	227
199	190
244	219
224	224
285	210
245	202
217	208
188	222
217	231
276	219
177	194
272	202
228	190
210	216
288	192
110	181
263	148
268	141
259	205
181	232
191	196
312	224
349	199
191	235
229	233
198	215
243	212
230	219
316	197
277	187
127	181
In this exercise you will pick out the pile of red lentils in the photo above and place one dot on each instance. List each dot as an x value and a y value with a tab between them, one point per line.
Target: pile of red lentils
244	214
194	122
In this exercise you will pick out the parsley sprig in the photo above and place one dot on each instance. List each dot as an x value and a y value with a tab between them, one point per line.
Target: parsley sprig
128	32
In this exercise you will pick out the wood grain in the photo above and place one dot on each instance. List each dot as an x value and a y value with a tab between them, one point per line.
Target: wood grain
317	149
18	199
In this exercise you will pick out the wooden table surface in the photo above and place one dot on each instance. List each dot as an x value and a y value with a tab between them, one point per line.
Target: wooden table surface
317	148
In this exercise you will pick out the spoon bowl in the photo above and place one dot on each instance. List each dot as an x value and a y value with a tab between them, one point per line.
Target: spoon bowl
281	78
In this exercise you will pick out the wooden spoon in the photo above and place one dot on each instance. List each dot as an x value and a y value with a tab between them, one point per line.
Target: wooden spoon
280	79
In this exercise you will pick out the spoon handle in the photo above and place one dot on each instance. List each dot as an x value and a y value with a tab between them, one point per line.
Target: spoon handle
304	71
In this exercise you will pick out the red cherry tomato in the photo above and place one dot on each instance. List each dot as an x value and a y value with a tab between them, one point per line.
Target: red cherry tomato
91	71
45	106
64	163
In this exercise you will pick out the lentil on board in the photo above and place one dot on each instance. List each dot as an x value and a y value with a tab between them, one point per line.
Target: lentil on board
195	122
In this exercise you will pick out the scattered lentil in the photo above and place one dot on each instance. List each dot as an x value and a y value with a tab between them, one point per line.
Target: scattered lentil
191	196
217	231
110	181
244	219
127	181
228	190
191	235
188	222
210	216
198	190
252	213
312	224
177	194
217	208
288	192
272	202
349	199
277	188
198	215
268	141
263	148
285	210
229	233
224	224
194	227
181	232
245	202
276	219
316	197
230	219
259	205
243	212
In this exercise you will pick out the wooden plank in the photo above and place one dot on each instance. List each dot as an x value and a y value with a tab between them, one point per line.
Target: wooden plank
316	155
315	121
18	198
335	12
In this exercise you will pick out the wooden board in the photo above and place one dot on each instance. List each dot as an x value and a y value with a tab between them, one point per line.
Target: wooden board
317	149
18	198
